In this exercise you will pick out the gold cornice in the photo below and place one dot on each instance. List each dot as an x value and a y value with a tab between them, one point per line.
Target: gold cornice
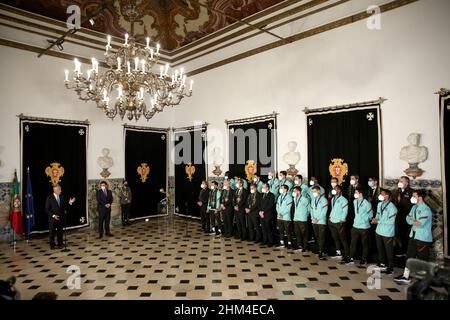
234	26
303	35
241	32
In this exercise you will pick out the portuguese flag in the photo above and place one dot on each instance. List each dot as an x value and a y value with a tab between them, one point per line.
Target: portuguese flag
15	215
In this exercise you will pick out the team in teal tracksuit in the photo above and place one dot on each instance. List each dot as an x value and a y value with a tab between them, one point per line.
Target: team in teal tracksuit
361	227
338	216
421	238
319	208
283	207
274	185
385	231
213	209
287	182
302	205
322	190
257	181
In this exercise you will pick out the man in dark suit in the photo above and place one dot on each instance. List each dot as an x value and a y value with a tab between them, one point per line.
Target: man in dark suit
252	211
104	201
266	215
240	199
55	206
226	205
402	200
203	203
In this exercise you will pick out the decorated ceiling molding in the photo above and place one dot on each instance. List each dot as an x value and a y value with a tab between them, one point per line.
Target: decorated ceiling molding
173	23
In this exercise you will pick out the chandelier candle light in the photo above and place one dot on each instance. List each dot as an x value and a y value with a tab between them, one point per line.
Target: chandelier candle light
131	76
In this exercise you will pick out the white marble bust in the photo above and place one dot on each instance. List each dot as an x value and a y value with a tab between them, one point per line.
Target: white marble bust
105	161
413	153
217	157
292	157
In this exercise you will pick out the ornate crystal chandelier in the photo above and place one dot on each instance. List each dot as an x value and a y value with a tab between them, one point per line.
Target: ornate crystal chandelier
130	86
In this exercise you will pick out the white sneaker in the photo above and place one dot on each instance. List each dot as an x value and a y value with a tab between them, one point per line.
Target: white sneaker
338	255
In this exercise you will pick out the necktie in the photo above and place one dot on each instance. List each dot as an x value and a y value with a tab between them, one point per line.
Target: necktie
57	200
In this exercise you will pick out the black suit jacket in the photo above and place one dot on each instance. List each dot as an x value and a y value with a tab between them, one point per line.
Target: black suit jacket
204	196
102	200
254	202
240	199
52	207
267	202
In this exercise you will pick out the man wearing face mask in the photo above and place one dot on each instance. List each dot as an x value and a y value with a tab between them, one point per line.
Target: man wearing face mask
274	184
301	205
239	201
313	182
226	206
402	199
266	213
361	226
213	209
298	182
373	192
333	183
104	202
125	203
354	183
338	216
319	209
420	237
257	182
203	203
252	210
385	232
284	180
284	204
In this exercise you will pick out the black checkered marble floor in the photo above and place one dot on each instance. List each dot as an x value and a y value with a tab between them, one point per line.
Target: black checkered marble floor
169	258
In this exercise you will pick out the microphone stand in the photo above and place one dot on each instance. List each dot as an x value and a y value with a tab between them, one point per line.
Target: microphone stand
65	233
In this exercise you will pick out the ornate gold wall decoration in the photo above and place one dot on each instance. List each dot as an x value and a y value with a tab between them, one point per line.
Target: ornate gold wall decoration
143	170
190	170
338	169
54	172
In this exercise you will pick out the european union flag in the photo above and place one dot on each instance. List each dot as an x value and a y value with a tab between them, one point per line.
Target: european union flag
29	207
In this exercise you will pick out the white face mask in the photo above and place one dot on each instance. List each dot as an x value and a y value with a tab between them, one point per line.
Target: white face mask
281	191
270	177
103	188
380	198
264	190
225	187
252	190
311	183
353	182
255	179
213	187
333	192
297	182
400	185
294	194
315	194
333	184
370	183
356	195
226	177
414	200
202	186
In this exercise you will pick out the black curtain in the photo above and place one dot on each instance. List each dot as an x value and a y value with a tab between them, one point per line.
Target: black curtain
351	135
190	147
63	143
445	113
249	140
146	147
